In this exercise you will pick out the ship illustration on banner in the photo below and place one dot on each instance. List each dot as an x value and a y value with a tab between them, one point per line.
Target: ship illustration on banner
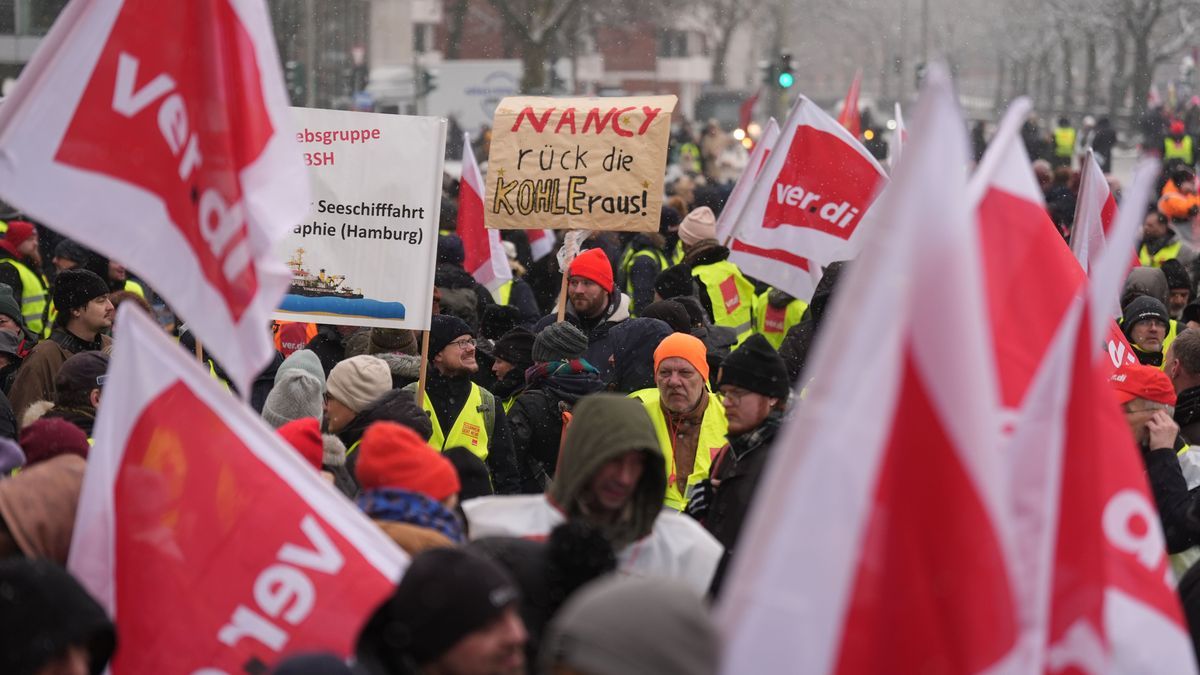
326	293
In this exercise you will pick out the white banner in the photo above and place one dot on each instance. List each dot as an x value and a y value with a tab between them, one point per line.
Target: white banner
364	255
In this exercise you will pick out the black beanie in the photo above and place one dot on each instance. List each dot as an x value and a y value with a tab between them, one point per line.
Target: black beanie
675	281
1177	276
444	329
73	251
450	250
76	288
756	366
445	595
516	347
668	220
1142	308
498	320
473	477
671	312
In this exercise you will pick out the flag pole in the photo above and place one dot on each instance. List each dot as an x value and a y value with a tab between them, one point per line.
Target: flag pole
424	367
562	298
199	350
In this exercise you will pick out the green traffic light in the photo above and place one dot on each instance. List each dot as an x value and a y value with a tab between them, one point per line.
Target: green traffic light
786	80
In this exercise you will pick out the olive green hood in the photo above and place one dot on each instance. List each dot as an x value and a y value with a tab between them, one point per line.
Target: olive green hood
604	427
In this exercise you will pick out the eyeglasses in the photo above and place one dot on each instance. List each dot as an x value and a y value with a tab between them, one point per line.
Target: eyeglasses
100	380
734	396
464	343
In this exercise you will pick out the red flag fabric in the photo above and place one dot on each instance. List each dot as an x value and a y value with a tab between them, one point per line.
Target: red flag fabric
541	243
214	561
807	206
746	111
1095	210
174	156
850	116
893	578
484	254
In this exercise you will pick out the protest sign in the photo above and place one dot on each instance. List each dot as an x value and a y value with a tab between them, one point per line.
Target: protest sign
174	157
214	561
578	163
364	255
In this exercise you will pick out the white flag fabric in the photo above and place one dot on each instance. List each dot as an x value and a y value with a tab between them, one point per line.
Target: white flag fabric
214	546
897	140
541	243
745	182
1095	210
484	255
874	528
174	156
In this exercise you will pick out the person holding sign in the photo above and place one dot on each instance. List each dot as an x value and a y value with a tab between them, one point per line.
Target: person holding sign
594	305
464	413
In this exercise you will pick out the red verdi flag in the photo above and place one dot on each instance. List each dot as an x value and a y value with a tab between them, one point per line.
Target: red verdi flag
173	156
212	543
850	116
813	192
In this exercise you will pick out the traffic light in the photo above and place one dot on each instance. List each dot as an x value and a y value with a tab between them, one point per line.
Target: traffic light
784	77
428	81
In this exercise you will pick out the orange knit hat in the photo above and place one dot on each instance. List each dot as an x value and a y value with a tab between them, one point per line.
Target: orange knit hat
687	347
392	455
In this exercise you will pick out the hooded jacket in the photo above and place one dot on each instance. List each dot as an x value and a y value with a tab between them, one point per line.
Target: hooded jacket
648	540
600	347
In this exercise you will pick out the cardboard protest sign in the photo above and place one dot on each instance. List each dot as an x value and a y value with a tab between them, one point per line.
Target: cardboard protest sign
578	163
365	253
172	156
215	546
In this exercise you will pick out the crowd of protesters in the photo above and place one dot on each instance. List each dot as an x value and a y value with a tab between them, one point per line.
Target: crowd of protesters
572	492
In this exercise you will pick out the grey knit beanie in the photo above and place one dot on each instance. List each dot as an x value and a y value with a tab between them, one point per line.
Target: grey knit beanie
296	394
304	360
559	342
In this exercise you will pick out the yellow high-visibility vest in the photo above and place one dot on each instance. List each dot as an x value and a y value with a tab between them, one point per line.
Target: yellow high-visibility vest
731	295
33	297
1164	254
470	430
1064	141
713	428
1181	149
774	323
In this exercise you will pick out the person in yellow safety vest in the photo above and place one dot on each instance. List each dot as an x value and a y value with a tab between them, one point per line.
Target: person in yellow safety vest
725	293
1145	324
1064	142
462	412
512	355
1160	242
20	270
775	312
688	418
1178	147
85	314
610	475
646	255
690	158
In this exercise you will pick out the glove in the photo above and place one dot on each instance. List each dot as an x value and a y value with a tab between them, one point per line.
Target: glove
699	498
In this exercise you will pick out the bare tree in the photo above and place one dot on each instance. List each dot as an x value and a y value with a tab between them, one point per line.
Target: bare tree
535	23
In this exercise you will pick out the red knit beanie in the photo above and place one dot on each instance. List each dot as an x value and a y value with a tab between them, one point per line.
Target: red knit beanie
592	264
18	232
304	435
392	455
50	437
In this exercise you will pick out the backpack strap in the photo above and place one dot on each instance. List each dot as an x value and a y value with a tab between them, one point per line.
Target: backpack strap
487	406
